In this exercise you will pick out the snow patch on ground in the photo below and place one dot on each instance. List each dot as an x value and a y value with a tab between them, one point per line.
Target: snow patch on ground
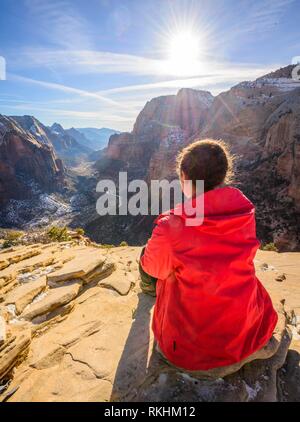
11	309
39	297
40	272
206	99
253	391
175	136
50	203
36	132
37	211
267	267
27	277
282	84
78	201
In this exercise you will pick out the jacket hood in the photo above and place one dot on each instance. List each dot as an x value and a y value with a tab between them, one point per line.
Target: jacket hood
225	210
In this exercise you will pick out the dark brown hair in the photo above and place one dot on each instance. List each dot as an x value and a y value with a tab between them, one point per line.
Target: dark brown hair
207	160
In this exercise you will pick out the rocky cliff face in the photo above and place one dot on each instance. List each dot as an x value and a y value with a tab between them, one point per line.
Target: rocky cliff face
45	175
260	122
189	116
64	144
27	160
187	110
148	152
163	124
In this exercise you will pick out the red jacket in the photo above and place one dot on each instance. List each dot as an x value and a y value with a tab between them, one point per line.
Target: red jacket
210	310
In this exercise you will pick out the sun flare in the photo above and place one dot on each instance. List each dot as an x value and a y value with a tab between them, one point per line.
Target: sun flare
183	53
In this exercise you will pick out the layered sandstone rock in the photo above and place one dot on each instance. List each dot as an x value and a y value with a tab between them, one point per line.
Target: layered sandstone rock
54	298
81	267
93	342
14	349
24	294
2	330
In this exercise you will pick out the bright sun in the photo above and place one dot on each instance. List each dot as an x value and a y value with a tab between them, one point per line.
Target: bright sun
183	53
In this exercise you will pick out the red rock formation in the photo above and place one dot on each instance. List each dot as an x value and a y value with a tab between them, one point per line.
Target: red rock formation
160	128
187	110
260	122
26	162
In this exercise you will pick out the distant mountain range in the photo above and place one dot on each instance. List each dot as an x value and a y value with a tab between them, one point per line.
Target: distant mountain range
93	138
40	179
259	120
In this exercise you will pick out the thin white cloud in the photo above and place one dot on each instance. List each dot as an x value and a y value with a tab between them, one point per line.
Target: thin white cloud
263	15
75	113
69	118
63	88
86	61
226	76
251	21
60	23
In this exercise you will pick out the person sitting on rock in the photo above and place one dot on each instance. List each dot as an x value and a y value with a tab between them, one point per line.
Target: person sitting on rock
211	311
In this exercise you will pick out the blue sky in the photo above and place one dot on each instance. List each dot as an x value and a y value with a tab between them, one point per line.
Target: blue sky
96	62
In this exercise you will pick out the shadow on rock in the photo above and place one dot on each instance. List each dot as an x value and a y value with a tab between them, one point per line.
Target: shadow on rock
289	378
140	378
133	365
